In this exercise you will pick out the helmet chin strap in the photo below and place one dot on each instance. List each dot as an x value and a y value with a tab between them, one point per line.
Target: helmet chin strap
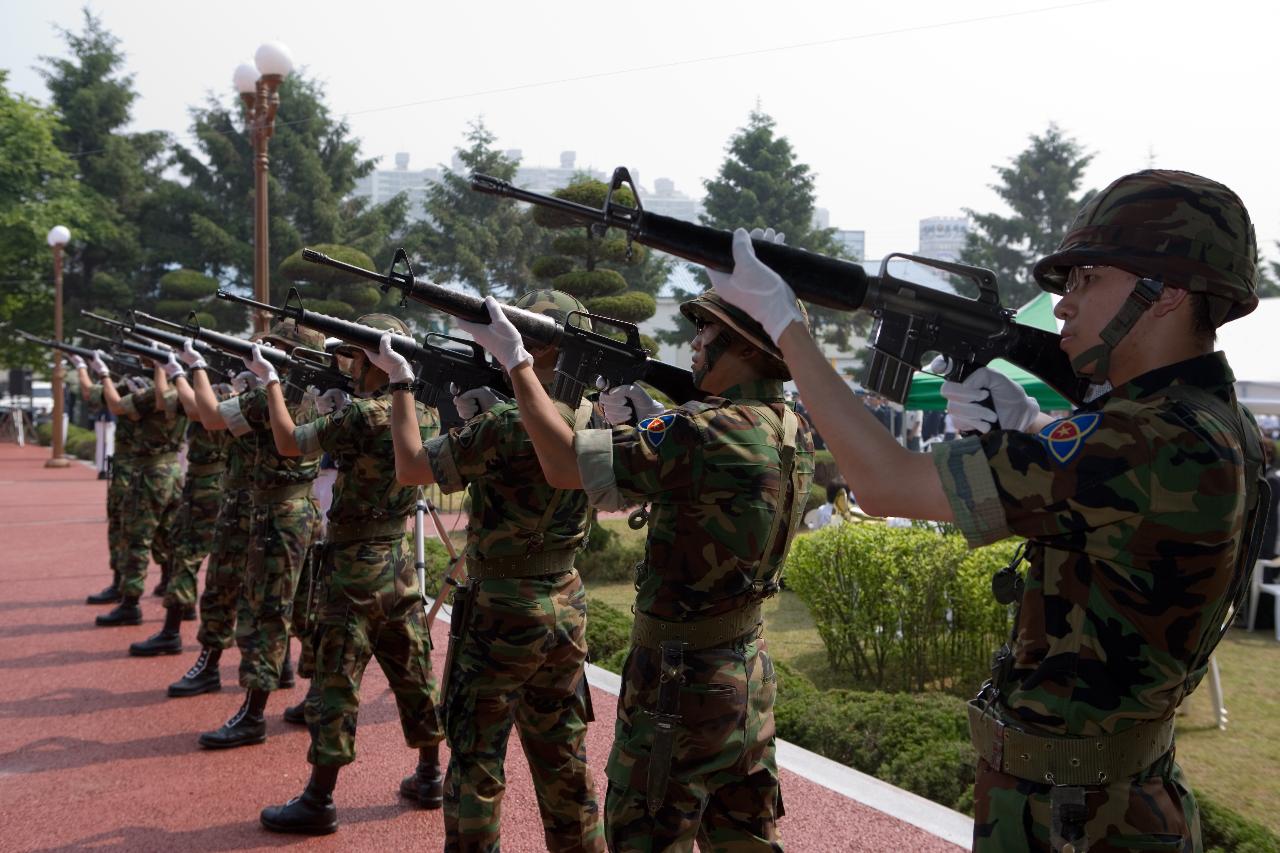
711	353
1095	363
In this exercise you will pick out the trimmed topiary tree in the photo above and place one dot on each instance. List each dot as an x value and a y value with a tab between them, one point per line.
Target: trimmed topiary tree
329	290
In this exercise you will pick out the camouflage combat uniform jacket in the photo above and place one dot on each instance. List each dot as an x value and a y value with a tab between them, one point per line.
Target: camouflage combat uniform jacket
121	480
1134	511
151	506
524	644
281	524
371	603
717	477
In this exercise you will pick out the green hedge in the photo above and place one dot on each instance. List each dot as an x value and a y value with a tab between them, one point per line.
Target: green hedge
902	608
79	442
608	634
614	560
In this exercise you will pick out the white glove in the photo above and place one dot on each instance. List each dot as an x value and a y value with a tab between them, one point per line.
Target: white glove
755	288
971	408
171	367
99	365
260	367
191	358
389	361
333	400
77	362
135	384
473	402
498	337
243	381
620	404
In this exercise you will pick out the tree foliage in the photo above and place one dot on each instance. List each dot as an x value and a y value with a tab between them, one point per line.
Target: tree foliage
480	241
1041	187
761	184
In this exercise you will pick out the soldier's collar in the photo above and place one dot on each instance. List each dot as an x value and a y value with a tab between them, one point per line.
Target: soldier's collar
764	390
1209	371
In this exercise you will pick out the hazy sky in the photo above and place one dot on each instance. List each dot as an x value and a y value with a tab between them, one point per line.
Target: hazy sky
900	108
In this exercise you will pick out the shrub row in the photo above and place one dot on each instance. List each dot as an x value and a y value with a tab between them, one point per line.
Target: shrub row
902	608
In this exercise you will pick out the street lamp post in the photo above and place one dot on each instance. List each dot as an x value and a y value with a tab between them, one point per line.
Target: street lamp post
58	237
258	85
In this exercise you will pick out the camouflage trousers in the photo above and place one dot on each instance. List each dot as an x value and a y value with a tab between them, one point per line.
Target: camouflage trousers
1154	812
372	609
521	662
723	786
197	524
150	512
117	492
279	538
224	578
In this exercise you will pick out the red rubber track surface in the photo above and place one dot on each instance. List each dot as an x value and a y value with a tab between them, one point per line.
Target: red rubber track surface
94	756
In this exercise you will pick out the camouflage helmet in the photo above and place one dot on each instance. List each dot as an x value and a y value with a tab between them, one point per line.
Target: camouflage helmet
555	304
709	305
1191	231
383	322
287	334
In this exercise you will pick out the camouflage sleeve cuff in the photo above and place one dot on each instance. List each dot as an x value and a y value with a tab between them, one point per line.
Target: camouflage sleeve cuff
971	490
129	407
595	465
307	437
170	404
229	409
444	468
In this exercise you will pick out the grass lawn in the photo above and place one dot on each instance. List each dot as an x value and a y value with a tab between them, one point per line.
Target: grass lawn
1237	767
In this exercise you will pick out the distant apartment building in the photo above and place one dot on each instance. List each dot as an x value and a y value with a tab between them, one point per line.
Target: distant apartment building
666	200
854	242
382	185
943	237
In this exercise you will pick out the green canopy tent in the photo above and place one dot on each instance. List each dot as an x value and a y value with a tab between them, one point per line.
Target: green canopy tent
926	388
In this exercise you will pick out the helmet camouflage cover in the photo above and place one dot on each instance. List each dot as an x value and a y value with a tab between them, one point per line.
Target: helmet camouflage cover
709	305
1191	232
555	304
288	334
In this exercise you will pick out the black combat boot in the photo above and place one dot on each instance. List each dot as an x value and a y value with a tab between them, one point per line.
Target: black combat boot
425	786
109	595
310	813
287	677
203	677
127	612
297	714
167	641
246	727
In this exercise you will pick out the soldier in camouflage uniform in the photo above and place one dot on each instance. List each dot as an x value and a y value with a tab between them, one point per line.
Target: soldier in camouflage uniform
372	605
277	525
224	577
117	486
1138	510
519	633
197	517
150	506
726	481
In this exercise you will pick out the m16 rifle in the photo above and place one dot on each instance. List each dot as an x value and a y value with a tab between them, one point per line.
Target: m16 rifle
120	364
438	366
299	369
912	319
585	355
223	363
122	344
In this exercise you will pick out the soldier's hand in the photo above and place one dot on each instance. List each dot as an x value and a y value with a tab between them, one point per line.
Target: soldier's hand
499	338
77	362
260	367
333	400
135	384
628	404
474	402
754	287
171	367
988	398
191	358
389	361
99	365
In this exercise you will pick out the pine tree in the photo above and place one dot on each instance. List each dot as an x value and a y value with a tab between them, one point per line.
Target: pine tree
1040	186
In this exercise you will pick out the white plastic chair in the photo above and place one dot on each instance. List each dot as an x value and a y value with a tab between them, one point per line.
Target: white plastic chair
1257	587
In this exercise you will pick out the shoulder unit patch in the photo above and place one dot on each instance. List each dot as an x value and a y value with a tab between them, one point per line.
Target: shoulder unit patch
654	430
1065	437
